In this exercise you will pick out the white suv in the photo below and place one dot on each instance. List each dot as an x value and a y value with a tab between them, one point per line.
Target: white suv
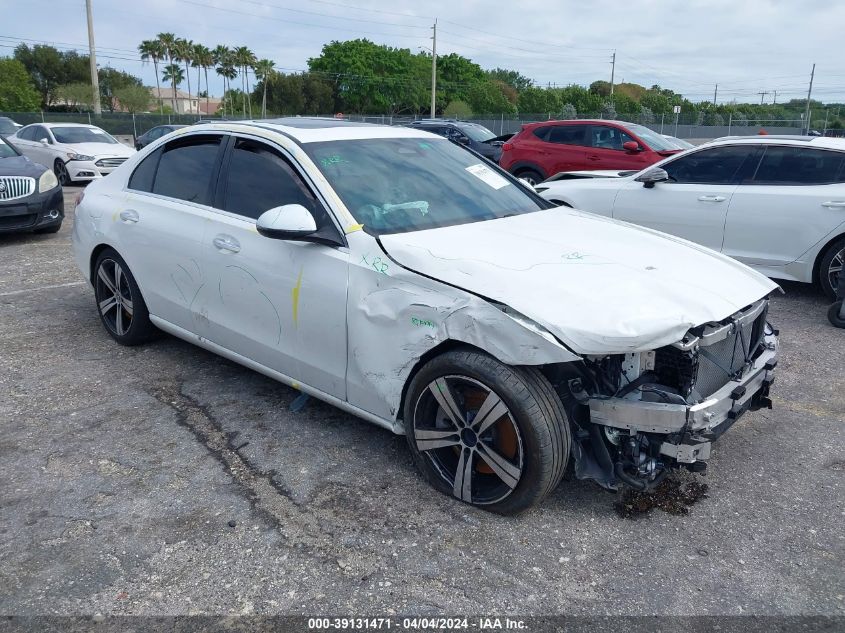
775	203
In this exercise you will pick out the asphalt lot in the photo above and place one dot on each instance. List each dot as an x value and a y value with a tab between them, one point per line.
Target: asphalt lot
122	472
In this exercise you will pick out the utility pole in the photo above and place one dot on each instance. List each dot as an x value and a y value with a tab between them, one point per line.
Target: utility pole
92	58
612	73
775	98
762	95
809	92
715	92
433	66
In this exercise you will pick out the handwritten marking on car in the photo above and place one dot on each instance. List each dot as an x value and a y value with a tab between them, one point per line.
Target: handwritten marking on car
422	322
294	293
376	263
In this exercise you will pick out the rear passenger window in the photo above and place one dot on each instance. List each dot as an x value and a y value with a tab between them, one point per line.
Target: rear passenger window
568	135
144	175
259	179
800	166
715	166
185	169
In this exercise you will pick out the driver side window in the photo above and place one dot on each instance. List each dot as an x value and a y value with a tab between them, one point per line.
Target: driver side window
715	166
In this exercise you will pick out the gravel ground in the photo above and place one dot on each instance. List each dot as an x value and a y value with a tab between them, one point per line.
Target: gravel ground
165	480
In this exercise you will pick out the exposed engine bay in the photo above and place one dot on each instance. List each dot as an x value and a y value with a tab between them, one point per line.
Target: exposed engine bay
636	416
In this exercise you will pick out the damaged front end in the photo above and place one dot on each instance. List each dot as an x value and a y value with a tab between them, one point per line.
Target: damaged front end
636	416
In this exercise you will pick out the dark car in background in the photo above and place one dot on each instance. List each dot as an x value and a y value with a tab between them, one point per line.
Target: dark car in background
30	195
541	150
7	126
472	135
155	133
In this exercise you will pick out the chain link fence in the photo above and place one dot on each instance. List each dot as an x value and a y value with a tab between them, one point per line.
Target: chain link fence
684	126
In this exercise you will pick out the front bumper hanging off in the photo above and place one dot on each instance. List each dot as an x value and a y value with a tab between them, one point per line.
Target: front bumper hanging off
690	429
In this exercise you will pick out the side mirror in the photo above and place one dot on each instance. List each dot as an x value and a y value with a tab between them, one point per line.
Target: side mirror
288	222
44	141
652	177
631	146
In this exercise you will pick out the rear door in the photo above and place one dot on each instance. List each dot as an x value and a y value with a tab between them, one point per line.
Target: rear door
694	203
160	224
566	148
793	200
606	151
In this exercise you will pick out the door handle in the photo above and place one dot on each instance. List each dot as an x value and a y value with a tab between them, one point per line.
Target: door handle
594	157
226	243
834	204
129	216
712	198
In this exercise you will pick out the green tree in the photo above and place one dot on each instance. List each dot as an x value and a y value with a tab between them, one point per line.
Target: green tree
244	59
263	70
17	93
487	97
133	98
600	88
152	50
49	68
112	80
224	66
175	75
76	96
203	60
457	110
538	100
511	77
184	52
568	112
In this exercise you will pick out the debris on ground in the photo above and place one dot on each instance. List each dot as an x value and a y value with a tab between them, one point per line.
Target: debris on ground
673	495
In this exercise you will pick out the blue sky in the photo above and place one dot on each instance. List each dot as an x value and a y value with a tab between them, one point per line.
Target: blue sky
745	46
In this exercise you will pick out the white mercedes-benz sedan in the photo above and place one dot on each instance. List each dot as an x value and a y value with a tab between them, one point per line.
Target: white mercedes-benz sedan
775	203
406	280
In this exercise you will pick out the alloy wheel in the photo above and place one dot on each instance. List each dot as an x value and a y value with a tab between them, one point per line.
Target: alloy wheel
114	297
835	269
471	438
61	173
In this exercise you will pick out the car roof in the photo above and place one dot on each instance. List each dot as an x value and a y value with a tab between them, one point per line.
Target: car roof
51	125
316	129
579	121
782	139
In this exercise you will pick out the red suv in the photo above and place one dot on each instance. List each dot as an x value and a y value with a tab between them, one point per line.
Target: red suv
543	149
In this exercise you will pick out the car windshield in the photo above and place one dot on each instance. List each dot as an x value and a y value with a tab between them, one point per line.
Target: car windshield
72	135
7	126
655	141
6	150
476	132
396	185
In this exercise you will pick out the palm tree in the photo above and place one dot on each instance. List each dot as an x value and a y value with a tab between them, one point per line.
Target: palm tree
229	73
263	71
203	59
222	56
244	59
151	50
184	52
168	44
175	75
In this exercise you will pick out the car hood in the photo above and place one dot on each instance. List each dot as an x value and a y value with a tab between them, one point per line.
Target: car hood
599	285
100	150
20	166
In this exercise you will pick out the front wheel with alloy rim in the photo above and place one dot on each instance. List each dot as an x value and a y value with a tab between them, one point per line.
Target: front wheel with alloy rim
60	169
530	176
486	433
119	302
830	267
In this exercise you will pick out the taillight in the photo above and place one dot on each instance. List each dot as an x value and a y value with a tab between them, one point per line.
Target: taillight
507	147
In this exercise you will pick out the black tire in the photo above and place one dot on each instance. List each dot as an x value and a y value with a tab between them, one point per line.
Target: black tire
531	434
833	313
834	256
60	169
531	175
129	306
49	229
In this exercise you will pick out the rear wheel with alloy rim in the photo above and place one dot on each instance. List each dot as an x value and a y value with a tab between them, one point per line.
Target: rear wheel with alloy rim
530	176
830	267
486	433
119	302
60	169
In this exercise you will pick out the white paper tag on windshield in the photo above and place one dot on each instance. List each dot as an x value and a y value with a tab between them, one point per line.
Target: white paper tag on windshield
482	172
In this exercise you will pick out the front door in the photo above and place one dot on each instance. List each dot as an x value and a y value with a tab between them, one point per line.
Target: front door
279	303
694	203
606	151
